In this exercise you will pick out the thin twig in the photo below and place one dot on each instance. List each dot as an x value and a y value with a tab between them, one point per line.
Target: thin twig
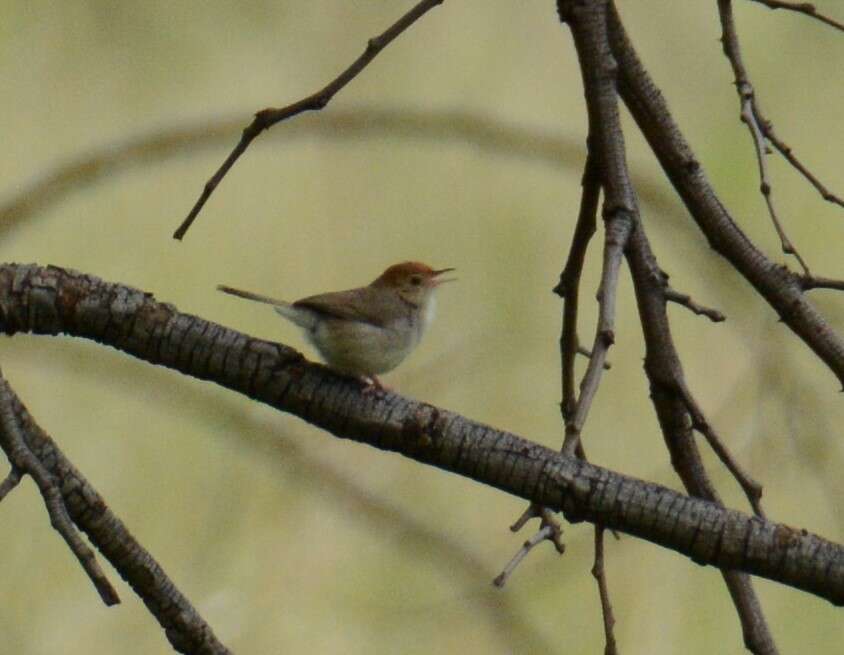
619	204
266	118
464	129
752	489
618	229
619	214
777	285
667	382
568	287
600	576
547	517
786	151
809	282
585	352
349	496
22	458
686	301
575	408
549	529
752	117
806	8
10	482
183	626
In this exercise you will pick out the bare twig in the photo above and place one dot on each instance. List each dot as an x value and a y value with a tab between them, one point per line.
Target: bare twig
686	301
606	147
618	230
806	8
568	287
10	482
531	512
618	222
547	517
752	489
266	118
671	401
581	350
549	529
349	496
809	282
786	151
34	452
23	460
776	284
761	129
600	576
461	128
752	117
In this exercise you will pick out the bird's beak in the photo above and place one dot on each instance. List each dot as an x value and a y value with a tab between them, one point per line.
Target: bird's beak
436	274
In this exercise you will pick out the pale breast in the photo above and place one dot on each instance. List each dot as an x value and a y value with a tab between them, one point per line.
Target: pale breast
362	348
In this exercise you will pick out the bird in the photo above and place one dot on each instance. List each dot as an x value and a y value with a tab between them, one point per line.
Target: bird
366	331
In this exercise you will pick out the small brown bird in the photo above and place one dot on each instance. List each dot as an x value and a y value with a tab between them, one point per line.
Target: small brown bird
369	330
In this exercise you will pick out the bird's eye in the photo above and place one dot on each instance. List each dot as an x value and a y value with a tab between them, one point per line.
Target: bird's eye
416	280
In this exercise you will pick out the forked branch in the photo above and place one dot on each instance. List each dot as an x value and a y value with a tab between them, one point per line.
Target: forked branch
756	123
14	443
71	498
777	285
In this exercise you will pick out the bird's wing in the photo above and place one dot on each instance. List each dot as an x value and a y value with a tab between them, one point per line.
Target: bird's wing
351	305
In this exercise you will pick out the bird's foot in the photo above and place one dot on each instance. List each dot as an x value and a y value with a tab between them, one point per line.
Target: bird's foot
372	386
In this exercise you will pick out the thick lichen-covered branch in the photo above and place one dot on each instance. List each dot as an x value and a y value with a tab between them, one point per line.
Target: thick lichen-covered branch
50	300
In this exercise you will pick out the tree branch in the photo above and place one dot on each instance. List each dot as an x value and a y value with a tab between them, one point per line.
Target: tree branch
809	282
688	302
618	205
806	8
266	118
185	629
459	128
600	576
752	117
23	460
568	288
549	529
589	27
617	232
780	287
9	482
52	300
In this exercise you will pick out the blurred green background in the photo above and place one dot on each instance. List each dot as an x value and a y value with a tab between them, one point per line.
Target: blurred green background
288	540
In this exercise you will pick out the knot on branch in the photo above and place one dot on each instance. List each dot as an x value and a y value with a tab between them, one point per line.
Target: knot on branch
424	427
607	337
691	166
616	211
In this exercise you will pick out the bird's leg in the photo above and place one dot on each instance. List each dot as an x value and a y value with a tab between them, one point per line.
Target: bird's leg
372	385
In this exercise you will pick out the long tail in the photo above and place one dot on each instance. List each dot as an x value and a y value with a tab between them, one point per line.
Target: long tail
300	317
252	296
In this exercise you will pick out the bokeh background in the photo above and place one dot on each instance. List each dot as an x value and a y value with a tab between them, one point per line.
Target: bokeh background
289	540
